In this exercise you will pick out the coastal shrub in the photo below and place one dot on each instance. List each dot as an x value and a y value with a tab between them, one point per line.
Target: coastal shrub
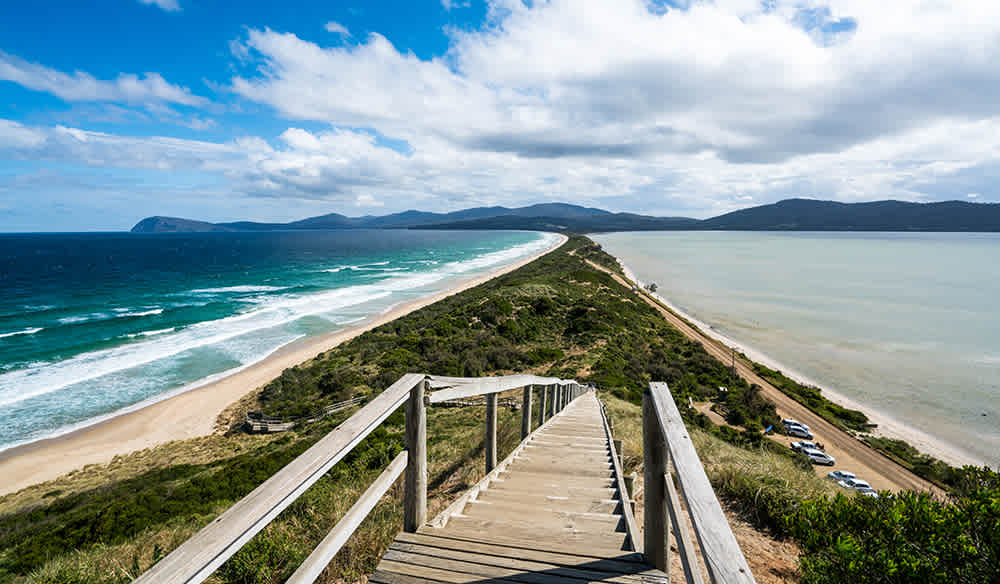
908	537
922	465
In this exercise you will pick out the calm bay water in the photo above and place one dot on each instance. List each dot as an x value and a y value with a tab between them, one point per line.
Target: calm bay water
94	323
905	324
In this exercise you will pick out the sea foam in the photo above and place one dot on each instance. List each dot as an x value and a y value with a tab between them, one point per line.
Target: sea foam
27	331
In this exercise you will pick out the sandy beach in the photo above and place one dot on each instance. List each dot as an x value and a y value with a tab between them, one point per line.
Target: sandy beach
192	413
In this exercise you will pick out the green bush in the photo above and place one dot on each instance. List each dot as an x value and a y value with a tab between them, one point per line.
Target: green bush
904	538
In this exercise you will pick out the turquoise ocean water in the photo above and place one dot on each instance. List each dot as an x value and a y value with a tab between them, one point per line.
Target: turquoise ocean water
905	324
95	324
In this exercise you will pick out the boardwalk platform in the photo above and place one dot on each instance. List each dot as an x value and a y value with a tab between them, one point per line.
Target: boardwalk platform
555	511
552	512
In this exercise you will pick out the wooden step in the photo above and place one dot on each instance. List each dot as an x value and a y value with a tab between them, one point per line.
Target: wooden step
603	543
522	511
431	538
496	567
557	490
561	502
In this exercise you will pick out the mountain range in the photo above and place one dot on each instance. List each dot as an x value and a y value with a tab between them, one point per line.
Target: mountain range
787	215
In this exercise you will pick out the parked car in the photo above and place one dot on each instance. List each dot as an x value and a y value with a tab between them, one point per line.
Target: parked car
818	457
841	475
791	422
854	483
797	446
869	493
799	432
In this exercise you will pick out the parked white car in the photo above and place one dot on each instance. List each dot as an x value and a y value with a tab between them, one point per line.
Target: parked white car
841	475
818	457
799	432
797	446
854	483
791	422
868	493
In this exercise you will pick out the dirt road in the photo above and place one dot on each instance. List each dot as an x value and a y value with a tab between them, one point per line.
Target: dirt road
850	453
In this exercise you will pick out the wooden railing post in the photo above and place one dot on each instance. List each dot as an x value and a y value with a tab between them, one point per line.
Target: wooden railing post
526	412
656	535
415	488
552	400
491	431
543	391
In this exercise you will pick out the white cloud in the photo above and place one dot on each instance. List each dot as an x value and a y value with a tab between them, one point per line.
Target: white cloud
168	5
83	87
15	136
700	105
337	28
694	110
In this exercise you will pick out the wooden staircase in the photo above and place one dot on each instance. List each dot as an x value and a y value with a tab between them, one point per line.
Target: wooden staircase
552	512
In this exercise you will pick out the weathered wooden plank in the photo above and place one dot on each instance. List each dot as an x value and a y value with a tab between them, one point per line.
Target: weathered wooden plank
534	544
543	391
199	556
630	525
457	577
317	561
536	503
685	547
494	567
625	563
586	521
491	431
462	387
589	568
458	571
415	488
656	533
723	556
526	412
611	542
554	490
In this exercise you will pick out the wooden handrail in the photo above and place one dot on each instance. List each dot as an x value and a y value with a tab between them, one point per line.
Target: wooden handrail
198	557
204	552
317	561
665	438
462	387
630	525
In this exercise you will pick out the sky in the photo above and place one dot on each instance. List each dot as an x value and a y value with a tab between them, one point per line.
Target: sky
224	110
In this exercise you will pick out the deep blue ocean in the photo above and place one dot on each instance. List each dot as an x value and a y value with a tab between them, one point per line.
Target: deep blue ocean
94	324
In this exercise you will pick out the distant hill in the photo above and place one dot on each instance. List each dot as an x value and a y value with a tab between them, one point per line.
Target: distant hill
812	215
549	216
583	224
787	215
159	224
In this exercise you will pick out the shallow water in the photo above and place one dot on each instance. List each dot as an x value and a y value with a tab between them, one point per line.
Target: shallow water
906	324
94	323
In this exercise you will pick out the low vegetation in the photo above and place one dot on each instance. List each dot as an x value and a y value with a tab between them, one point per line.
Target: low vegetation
905	538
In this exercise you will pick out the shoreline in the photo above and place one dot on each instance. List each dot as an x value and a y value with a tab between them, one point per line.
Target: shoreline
888	426
194	412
